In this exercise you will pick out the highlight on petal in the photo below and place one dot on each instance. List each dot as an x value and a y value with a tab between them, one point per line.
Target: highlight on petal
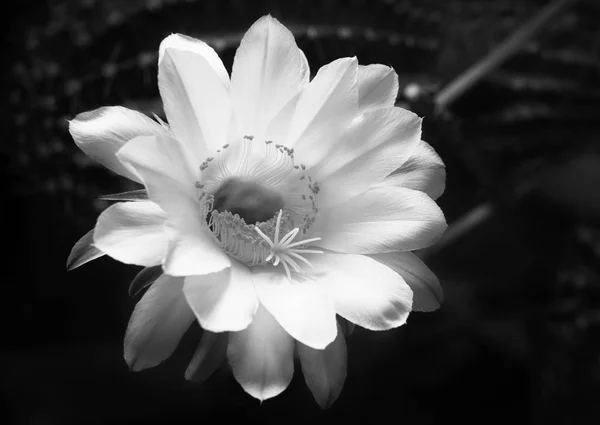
198	47
196	101
167	170
377	86
83	251
262	356
299	306
146	277
363	290
132	233
223	301
208	357
380	220
423	171
325	370
157	324
102	132
427	291
268	70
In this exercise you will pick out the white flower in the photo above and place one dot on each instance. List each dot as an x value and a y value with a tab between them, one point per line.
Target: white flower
271	208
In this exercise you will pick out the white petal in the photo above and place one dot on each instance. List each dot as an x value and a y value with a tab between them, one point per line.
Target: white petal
423	171
158	322
377	86
223	301
325	370
325	108
299	306
198	47
83	251
380	141
132	233
210	354
102	132
262	356
380	220
427	291
196	101
166	168
268	70
363	291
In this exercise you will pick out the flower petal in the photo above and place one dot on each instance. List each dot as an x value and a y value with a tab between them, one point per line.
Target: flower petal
363	291
198	47
268	70
427	291
377	86
325	370
423	171
157	323
380	141
132	195
196	101
210	354
325	108
380	220
83	251
102	132
166	168
132	233
223	301
146	277
262	356
299	306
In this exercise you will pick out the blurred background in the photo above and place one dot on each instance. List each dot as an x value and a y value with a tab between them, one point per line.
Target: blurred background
510	92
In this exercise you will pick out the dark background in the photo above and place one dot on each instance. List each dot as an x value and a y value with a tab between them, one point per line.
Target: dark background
517	339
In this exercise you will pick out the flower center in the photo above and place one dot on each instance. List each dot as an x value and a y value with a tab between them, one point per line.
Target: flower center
269	236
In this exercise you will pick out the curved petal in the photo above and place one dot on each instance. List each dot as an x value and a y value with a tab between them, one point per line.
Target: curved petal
132	233
363	290
427	291
146	277
166	168
325	370
378	143
198	47
157	323
299	306
83	251
380	220
377	86
325	108
223	301
196	101
268	70
262	356
102	132
210	354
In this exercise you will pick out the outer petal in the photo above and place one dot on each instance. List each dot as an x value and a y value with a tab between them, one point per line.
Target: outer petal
198	47
132	233
325	108
262	356
158	322
325	370
363	290
378	143
196	100
299	306
427	291
423	171
223	301
380	220
83	251
210	354
102	132
377	86
167	172
268	70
